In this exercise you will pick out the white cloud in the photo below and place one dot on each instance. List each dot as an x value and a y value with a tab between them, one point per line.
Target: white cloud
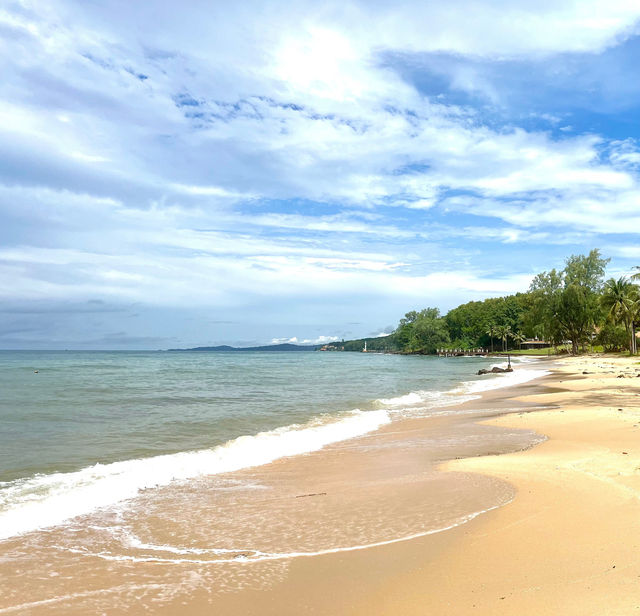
230	154
293	340
308	102
624	250
305	341
209	191
588	212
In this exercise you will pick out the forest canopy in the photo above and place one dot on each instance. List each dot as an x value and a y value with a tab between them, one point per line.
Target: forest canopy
575	306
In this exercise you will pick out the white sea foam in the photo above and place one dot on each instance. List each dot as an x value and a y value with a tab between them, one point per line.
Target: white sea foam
419	401
49	500
506	379
168	554
415	397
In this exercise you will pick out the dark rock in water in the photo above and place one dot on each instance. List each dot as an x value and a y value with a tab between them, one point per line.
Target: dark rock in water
495	370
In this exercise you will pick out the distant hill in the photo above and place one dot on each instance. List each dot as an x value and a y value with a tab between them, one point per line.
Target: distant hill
271	347
385	344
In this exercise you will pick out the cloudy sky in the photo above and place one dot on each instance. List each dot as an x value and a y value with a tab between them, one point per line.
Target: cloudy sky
207	172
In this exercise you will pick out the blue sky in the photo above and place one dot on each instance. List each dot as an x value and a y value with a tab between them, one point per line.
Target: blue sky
206	173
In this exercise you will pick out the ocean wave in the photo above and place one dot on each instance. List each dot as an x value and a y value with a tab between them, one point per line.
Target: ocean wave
414	397
416	402
44	501
507	379
168	554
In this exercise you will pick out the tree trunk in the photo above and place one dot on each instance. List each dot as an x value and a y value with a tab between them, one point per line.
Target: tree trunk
629	326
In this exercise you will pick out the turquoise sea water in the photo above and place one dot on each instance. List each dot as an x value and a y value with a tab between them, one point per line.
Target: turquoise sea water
80	430
86	407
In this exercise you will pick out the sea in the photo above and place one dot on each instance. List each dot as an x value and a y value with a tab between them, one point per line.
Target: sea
158	457
82	430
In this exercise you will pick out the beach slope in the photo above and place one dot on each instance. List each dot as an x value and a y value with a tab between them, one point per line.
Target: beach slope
569	543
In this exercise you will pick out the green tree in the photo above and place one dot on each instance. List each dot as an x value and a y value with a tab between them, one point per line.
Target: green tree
519	338
545	290
612	337
491	332
422	332
404	330
586	271
470	323
503	332
567	302
620	300
429	334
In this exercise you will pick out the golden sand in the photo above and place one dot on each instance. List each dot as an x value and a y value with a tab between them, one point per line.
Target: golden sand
569	543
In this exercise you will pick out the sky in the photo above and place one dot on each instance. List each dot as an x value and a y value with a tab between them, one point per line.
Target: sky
201	173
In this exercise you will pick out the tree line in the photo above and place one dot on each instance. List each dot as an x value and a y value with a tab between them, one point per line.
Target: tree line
574	306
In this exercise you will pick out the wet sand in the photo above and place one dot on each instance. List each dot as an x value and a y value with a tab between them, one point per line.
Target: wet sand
357	528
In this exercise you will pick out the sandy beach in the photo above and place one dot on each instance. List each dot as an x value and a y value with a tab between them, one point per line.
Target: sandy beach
534	526
567	544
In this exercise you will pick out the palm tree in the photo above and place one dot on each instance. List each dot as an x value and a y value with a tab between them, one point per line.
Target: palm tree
491	332
636	316
503	332
620	299
519	338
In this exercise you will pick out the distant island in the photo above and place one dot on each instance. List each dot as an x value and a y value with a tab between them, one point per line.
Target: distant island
270	347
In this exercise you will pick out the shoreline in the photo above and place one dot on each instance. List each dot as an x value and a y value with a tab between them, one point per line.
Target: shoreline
245	451
242	531
377	485
567	543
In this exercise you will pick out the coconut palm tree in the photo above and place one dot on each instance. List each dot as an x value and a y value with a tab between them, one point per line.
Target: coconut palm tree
503	332
620	299
636	316
519	338
491	332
